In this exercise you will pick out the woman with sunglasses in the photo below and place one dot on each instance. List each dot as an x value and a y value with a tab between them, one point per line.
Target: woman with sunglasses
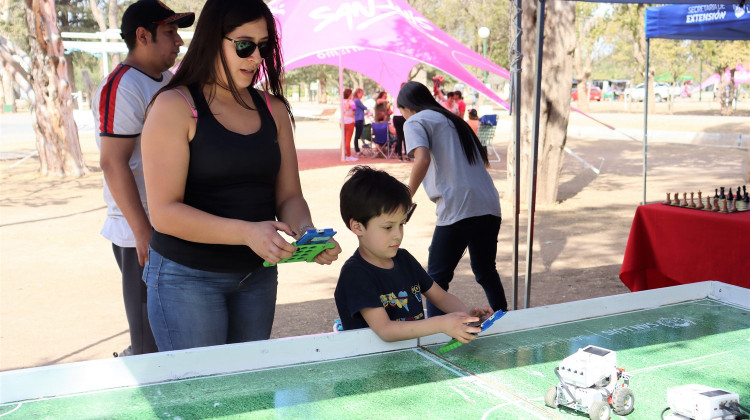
451	165
222	179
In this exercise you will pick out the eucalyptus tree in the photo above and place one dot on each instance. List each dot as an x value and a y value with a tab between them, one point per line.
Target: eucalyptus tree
673	55
51	102
723	57
591	20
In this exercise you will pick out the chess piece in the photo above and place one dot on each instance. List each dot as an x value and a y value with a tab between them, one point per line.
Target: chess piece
724	206
708	204
676	201
739	194
716	204
722	196
717	193
746	198
733	205
692	200
684	202
668	200
699	206
730	197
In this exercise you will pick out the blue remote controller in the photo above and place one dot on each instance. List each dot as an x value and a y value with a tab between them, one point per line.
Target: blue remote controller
316	236
486	324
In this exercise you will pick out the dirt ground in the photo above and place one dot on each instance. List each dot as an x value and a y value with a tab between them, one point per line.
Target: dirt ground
60	297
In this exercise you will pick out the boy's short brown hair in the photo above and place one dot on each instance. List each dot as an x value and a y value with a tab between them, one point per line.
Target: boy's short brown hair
369	193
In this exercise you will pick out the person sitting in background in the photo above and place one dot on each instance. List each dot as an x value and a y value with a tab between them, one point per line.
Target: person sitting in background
384	133
381	285
473	120
382	105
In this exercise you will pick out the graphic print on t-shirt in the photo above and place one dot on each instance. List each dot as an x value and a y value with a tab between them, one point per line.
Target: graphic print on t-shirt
400	301
392	302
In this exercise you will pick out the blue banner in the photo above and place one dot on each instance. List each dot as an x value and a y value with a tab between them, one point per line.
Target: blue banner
699	21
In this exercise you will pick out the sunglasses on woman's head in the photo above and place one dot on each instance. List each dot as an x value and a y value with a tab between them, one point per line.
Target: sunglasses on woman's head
245	48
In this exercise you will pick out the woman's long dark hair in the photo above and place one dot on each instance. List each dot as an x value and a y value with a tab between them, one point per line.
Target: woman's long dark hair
218	18
417	97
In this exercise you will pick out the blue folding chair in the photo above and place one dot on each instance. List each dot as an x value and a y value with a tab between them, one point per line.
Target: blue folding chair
486	134
381	141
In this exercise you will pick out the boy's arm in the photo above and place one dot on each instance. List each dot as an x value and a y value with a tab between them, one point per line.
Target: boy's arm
445	301
453	324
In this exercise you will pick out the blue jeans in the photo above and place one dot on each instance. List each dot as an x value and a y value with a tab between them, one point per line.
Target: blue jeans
359	125
195	308
479	235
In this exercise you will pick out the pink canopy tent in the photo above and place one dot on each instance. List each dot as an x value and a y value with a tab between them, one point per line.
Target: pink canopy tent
741	75
382	39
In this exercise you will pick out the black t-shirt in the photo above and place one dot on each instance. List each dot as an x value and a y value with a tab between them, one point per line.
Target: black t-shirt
230	175
398	289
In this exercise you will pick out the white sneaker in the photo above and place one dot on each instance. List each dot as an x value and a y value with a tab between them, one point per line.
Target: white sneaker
351	159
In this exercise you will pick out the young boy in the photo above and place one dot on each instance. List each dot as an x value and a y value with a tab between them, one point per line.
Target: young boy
381	285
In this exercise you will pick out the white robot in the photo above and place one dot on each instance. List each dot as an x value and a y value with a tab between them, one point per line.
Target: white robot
700	402
590	383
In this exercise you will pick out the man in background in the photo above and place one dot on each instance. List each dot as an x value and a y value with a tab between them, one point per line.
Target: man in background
149	29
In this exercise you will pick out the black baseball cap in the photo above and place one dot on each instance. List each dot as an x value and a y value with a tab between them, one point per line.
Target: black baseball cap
143	13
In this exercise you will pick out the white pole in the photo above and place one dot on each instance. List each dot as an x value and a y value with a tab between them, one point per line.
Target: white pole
105	59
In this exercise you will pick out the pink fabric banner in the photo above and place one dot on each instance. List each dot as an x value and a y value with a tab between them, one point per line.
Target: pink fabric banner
382	39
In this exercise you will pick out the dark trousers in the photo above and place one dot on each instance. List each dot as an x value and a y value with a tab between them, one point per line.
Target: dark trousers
134	294
359	125
398	124
479	235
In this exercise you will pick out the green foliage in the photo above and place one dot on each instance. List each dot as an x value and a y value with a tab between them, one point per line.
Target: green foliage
672	56
310	74
461	19
75	16
722	54
14	27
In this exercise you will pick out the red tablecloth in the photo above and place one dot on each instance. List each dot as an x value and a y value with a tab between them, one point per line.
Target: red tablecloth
669	246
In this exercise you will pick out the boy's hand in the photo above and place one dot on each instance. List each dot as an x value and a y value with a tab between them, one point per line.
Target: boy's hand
483	312
455	325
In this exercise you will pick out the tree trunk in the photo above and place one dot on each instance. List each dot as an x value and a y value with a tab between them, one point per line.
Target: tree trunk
651	90
322	96
57	134
113	10
9	96
584	73
726	93
557	64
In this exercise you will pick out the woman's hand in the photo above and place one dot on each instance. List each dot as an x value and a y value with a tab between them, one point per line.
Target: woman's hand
264	239
455	325
329	255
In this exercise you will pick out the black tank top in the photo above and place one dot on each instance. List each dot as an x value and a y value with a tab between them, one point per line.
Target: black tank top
229	175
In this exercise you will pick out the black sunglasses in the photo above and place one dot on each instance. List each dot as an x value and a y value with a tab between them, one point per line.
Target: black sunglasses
410	212
245	48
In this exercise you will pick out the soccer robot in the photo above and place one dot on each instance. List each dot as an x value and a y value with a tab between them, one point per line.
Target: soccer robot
590	383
